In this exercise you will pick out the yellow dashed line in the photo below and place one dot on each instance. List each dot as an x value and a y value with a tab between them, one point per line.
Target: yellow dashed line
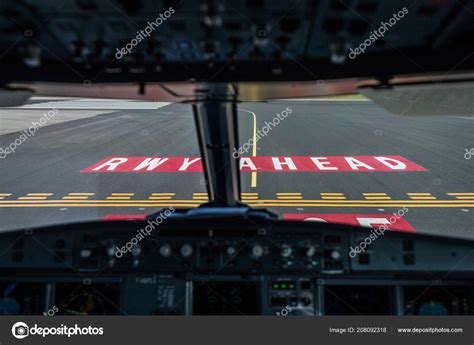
32	198
75	197
376	196
362	201
200	196
332	196
462	196
368	202
39	194
78	196
161	196
249	196
289	196
421	196
284	199
35	196
105	201
101	205
262	204
120	196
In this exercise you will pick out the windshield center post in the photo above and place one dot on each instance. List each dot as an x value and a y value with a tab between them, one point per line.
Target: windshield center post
215	114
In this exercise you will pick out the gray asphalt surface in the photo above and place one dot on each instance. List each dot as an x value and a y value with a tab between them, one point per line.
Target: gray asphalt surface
52	160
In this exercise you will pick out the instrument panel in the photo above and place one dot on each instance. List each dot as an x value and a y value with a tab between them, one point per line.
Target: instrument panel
254	269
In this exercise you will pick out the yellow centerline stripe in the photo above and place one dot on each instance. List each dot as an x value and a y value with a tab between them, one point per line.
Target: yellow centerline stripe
253	182
81	194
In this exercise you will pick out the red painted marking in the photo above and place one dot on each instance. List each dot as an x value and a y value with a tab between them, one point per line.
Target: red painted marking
260	164
391	221
112	217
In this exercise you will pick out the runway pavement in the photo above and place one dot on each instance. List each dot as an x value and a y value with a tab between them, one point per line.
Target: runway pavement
332	160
